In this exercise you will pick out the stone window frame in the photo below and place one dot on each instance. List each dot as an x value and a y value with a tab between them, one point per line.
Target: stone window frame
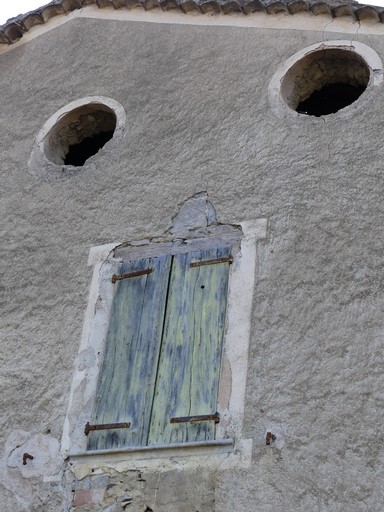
366	53
41	167
229	451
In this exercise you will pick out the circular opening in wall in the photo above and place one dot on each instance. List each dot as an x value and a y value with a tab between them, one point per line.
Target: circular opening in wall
325	81
80	134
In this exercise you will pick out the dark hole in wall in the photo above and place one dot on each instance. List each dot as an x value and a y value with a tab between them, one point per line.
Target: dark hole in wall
80	134
80	152
330	99
325	81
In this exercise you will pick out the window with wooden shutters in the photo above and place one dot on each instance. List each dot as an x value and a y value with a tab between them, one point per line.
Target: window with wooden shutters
159	377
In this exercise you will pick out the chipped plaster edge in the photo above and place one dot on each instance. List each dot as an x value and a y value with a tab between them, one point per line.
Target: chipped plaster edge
100	253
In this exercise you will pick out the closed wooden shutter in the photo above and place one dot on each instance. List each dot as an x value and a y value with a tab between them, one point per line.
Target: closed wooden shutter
190	359
128	372
163	350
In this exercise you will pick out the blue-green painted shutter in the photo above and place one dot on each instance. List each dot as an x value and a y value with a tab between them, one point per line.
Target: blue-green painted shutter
190	359
128	371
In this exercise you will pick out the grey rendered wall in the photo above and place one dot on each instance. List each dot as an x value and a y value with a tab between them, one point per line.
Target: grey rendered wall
198	119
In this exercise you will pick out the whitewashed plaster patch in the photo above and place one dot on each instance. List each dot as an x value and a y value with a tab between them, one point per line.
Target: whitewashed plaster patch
37	456
10	476
28	457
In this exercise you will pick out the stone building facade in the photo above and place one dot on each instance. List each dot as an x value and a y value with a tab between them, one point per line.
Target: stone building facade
239	138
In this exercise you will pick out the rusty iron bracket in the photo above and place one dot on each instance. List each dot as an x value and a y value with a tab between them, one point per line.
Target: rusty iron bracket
211	262
269	437
119	277
106	426
194	419
26	457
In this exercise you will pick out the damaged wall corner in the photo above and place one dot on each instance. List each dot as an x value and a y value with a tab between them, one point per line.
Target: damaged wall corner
196	212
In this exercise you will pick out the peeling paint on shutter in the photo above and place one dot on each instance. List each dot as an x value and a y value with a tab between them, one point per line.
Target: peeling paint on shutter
189	365
128	372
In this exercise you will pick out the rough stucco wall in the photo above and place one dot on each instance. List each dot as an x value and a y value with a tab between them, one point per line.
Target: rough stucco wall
198	118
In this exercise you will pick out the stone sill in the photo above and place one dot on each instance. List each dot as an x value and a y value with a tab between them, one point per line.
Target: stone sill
224	454
154	452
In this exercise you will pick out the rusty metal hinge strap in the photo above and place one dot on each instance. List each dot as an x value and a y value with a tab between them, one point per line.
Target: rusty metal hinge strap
194	419
211	262
119	277
106	426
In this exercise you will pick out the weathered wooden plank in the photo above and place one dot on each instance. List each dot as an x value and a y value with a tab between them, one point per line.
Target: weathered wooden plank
128	371
189	365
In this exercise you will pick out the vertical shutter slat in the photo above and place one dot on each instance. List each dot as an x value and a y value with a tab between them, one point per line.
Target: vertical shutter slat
128	371
190	358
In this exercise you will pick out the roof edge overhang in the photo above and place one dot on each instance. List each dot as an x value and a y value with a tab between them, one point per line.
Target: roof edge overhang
14	29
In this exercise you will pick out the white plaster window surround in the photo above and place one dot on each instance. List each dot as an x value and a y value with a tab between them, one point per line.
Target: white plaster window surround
229	448
284	88
76	122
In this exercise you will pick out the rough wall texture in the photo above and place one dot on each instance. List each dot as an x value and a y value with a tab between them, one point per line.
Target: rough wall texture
198	119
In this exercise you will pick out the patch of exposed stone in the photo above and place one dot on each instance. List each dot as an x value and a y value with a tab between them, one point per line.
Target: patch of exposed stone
14	28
